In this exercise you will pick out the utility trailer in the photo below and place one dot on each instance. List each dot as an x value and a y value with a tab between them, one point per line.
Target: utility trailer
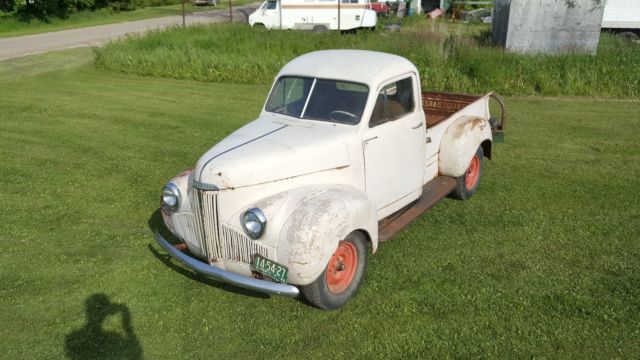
622	17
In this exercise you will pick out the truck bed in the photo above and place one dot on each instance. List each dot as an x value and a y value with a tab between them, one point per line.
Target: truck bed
439	106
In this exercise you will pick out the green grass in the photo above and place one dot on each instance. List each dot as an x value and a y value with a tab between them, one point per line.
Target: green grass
12	26
544	261
449	58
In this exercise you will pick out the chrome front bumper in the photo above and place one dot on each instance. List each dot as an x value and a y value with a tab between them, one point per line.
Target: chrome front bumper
245	282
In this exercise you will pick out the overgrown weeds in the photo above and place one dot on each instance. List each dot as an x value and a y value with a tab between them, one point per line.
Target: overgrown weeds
449	57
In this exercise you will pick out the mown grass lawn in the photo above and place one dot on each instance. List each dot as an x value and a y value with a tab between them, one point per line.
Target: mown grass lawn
543	262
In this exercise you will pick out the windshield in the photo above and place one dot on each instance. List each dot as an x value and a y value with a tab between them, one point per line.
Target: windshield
318	99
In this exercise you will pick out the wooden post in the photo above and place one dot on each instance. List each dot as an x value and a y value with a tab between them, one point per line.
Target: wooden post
339	14
184	22
280	12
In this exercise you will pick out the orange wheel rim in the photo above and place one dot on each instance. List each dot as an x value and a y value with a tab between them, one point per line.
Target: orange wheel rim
473	172
342	267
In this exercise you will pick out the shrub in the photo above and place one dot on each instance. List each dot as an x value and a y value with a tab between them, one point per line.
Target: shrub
7	5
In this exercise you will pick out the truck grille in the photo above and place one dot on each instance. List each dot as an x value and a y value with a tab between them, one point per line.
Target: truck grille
237	246
216	241
205	208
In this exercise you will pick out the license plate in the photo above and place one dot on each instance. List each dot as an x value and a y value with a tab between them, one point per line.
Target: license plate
270	268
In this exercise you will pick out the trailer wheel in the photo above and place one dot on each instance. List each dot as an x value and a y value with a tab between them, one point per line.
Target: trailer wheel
629	36
343	275
319	28
467	183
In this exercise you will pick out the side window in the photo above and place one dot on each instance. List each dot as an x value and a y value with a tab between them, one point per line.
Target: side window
394	101
379	114
272	5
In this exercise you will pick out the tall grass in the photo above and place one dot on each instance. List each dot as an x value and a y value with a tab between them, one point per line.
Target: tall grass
449	58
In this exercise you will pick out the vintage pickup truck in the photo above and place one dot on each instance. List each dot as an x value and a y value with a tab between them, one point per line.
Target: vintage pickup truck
341	157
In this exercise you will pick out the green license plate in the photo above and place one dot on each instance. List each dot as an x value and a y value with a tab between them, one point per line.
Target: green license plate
270	268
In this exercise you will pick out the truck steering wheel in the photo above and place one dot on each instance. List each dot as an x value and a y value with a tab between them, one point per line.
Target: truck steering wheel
342	116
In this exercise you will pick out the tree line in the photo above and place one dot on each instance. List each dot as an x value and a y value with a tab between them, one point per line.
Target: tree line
45	10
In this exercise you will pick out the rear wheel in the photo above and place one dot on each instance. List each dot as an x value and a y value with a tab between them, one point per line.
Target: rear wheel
319	28
467	183
629	36
343	275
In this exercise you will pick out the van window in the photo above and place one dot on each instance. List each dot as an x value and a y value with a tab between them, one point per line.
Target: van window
394	101
271	5
349	1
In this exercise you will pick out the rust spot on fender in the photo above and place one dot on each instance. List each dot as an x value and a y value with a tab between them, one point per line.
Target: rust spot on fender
185	172
468	125
477	122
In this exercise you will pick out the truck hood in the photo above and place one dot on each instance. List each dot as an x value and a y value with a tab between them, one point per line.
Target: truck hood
265	151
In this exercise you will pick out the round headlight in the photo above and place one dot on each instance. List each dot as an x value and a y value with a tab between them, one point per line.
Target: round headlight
254	222
171	196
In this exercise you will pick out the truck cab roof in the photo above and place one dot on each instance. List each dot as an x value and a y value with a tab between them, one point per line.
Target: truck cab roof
366	67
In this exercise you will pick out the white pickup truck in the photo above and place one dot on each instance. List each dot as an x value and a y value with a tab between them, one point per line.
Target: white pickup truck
341	157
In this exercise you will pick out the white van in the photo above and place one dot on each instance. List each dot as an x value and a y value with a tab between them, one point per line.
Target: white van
316	15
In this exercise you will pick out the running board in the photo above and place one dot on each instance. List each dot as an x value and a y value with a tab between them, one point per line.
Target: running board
432	193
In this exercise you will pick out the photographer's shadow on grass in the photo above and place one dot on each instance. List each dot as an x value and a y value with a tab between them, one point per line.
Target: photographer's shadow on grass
94	342
157	224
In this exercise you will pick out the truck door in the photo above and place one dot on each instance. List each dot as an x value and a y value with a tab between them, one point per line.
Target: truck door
393	144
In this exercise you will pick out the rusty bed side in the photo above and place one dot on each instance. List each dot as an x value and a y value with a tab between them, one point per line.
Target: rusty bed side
439	105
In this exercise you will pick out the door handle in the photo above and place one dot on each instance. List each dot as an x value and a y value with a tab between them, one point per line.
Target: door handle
418	126
369	139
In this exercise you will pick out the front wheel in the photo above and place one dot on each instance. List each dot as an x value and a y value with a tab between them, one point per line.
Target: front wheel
467	183
343	275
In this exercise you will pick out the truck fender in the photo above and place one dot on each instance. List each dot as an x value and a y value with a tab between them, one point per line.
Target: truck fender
460	142
323	217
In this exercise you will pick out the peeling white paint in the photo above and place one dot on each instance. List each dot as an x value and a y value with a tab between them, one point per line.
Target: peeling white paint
460	142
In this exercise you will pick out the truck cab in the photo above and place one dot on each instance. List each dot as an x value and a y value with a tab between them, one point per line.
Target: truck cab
341	157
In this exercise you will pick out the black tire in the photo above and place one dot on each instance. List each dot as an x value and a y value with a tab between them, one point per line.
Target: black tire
259	26
320	294
628	35
465	189
319	29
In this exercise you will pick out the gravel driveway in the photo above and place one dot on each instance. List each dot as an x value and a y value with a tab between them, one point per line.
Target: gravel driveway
18	46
